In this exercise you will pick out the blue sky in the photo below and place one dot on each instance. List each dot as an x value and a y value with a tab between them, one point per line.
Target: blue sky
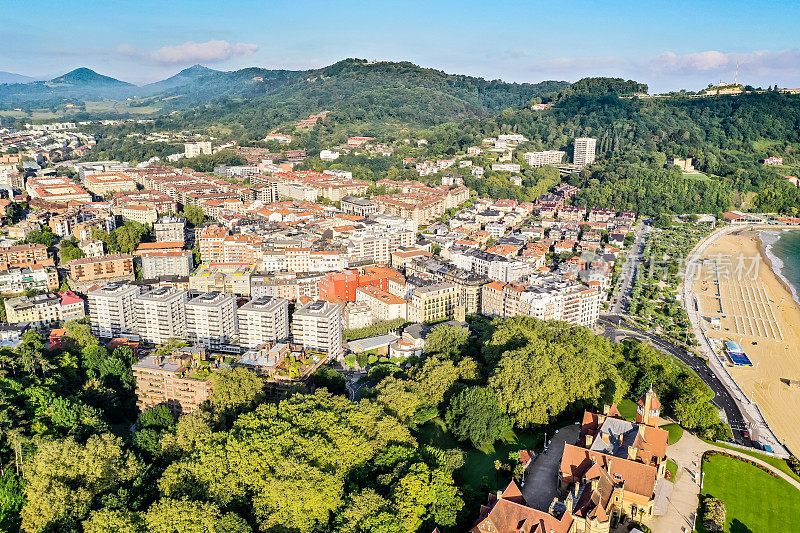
669	45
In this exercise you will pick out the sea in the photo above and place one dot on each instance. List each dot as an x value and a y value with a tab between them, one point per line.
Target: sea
783	249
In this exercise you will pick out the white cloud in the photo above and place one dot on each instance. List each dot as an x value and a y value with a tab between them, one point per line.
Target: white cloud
761	62
191	52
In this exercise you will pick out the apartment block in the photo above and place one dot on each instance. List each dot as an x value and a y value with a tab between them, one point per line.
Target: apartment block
161	315
166	263
23	255
104	267
195	149
102	184
318	326
383	305
433	302
170	229
584	151
355	205
230	278
44	309
111	311
211	319
263	320
540	159
17	279
170	380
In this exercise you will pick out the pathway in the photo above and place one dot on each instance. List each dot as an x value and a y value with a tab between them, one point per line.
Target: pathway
541	477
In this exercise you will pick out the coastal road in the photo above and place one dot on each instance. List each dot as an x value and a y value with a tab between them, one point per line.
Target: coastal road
617	328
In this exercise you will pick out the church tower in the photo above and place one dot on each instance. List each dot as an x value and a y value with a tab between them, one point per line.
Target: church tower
648	409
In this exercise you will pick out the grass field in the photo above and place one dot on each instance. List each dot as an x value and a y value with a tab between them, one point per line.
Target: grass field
754	500
478	472
778	463
675	433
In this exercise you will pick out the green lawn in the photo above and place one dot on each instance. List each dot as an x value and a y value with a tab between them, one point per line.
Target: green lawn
672	468
478	472
675	433
754	500
627	408
778	463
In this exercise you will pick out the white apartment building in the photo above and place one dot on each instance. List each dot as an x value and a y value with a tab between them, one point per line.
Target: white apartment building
111	310
540	159
211	319
195	149
433	302
262	320
584	151
506	167
383	305
297	191
161	315
328	155
166	263
170	229
318	326
44	309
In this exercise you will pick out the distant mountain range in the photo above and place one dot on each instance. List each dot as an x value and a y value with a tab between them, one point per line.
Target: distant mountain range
10	77
384	90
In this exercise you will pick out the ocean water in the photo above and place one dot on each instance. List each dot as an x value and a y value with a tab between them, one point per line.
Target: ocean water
783	249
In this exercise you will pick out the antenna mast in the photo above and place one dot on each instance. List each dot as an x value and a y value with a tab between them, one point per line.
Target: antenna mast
736	76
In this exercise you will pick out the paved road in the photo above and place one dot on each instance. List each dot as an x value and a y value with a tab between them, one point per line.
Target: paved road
722	398
541	478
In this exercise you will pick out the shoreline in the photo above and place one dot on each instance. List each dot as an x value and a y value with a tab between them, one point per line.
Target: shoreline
771	259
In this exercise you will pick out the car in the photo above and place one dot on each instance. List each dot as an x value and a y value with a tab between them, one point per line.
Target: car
746	434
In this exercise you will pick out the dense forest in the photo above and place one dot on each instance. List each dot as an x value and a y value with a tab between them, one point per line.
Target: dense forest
78	458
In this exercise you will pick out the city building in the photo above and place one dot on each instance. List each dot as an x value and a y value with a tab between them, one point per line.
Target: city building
103	267
584	151
506	167
57	189
17	279
92	247
231	278
263	320
44	309
111	311
317	325
356	205
166	263
211	320
383	305
21	255
103	184
540	159
433	303
685	164
141	213
195	149
161	315
174	380
170	229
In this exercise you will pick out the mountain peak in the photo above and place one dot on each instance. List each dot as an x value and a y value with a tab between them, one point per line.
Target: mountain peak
87	76
195	70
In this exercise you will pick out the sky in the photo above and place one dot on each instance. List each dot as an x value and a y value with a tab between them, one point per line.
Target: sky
668	45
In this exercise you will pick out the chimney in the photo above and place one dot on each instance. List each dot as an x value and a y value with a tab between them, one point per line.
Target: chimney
589	440
606	409
631	453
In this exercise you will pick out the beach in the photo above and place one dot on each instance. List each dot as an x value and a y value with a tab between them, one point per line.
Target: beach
755	308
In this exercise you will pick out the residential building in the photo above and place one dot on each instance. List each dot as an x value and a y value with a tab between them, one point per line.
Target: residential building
384	305
211	320
143	214
433	303
328	155
173	380
195	149
773	161
92	247
111	311
57	189
161	315
263	320
166	263
230	278
103	184
685	164
17	279
540	159
104	267
506	167
317	325
356	315
170	229
584	151
21	255
44	309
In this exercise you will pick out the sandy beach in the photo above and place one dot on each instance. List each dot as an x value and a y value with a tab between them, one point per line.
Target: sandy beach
755	309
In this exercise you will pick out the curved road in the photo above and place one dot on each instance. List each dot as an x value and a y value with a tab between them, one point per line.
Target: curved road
722	398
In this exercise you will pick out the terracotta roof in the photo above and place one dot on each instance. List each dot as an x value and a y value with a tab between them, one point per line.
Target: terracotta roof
577	463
